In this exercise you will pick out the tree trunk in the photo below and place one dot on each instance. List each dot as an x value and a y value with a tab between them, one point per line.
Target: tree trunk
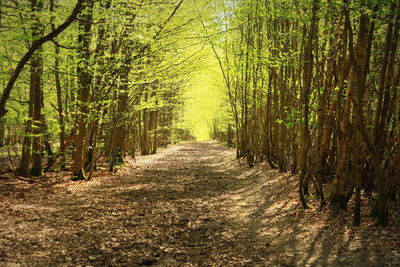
59	94
307	80
359	60
121	117
84	83
2	132
27	143
35	46
155	132
145	129
35	81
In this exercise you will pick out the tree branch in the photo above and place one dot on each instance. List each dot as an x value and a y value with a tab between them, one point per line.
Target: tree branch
36	45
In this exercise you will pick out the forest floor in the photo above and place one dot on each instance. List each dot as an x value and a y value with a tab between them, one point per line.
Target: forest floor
192	204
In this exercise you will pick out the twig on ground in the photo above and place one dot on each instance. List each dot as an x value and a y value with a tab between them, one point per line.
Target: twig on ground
25	179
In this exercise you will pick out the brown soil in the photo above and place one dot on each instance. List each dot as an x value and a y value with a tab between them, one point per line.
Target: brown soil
190	205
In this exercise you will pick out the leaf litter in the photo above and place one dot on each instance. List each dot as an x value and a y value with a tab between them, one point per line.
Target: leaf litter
190	205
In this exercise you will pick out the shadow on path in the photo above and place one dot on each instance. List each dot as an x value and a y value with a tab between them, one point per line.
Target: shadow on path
190	205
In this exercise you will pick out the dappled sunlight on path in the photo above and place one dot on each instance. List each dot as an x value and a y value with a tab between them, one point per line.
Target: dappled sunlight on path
190	205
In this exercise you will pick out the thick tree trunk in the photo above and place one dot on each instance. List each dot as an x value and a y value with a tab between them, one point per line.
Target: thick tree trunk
26	154
36	84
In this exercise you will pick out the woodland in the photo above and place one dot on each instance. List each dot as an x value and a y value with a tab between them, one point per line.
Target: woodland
108	107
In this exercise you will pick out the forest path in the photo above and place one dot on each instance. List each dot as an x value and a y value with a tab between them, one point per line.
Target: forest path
190	205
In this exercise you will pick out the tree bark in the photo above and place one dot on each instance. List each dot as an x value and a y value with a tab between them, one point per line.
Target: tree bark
84	84
57	79
359	63
36	86
307	80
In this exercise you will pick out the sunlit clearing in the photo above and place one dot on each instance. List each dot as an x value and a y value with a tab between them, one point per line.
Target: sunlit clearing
204	98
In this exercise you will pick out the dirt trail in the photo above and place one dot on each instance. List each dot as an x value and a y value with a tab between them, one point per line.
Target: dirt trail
189	205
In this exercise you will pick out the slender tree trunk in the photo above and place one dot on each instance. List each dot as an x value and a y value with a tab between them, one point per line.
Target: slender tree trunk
84	83
155	131
35	46
359	60
145	129
2	131
121	117
60	108
388	100
93	159
357	172
307	80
